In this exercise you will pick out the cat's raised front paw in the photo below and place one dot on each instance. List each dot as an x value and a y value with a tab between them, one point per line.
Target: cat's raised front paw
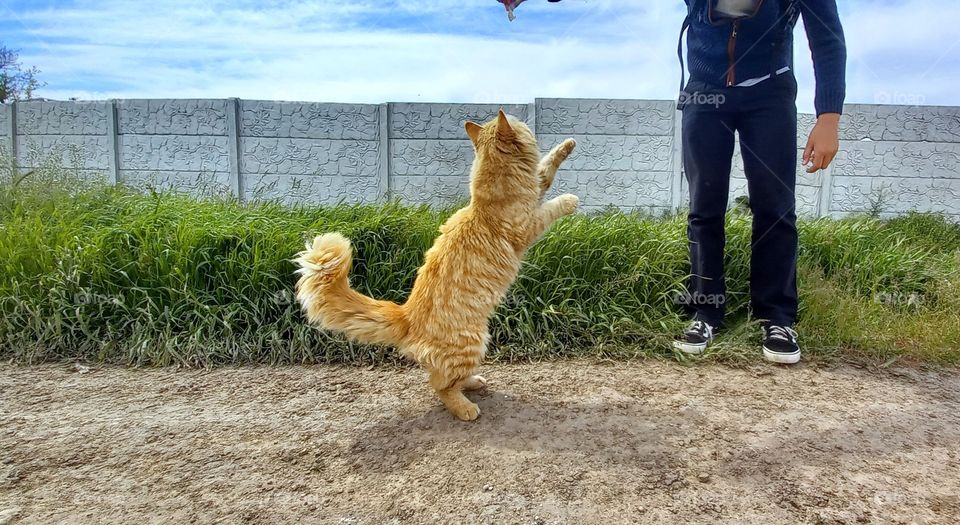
566	148
568	203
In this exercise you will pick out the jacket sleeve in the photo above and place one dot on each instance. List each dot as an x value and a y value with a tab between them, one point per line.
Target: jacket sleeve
829	50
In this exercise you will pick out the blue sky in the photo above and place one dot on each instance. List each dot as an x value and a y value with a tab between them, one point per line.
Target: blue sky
442	50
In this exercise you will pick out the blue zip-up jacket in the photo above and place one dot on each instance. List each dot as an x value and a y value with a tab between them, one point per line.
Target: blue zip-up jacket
724	54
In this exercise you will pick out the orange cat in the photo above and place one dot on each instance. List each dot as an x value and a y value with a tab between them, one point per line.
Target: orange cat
443	324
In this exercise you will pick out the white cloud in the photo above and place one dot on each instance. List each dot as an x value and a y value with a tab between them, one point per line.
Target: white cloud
444	50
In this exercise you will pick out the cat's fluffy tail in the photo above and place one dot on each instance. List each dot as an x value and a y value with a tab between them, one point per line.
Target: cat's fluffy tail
327	299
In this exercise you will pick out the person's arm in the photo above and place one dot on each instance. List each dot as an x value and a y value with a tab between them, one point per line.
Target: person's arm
829	51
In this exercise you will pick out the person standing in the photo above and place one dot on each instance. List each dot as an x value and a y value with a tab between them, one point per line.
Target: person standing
740	55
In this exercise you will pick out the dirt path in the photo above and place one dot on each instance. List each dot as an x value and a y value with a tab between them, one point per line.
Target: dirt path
567	442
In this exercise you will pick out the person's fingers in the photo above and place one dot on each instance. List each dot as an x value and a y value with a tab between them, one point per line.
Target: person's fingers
808	151
828	159
815	162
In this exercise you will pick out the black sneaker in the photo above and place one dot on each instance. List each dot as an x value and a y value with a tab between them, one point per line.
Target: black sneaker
695	338
780	345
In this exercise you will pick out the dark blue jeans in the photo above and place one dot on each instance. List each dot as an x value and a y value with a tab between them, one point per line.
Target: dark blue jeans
765	116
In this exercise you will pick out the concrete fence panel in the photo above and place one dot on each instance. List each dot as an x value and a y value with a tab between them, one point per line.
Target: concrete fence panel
893	159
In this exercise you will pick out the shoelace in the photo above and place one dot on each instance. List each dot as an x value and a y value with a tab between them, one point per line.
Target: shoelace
700	328
783	333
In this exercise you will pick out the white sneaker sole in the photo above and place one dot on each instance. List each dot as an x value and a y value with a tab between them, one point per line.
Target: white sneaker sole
781	358
689	348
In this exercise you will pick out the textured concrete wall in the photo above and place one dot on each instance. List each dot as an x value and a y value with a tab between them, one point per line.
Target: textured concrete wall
897	159
168	144
71	134
310	152
430	154
893	159
624	154
5	119
6	131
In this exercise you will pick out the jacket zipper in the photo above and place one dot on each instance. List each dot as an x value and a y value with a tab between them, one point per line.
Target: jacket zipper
731	54
732	42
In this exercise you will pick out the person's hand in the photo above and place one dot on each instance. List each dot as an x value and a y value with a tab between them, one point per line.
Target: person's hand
511	5
824	142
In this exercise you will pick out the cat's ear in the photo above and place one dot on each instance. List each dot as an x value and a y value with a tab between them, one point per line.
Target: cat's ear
504	130
473	131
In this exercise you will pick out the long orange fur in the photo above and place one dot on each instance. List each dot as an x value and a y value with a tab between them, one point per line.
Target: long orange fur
467	271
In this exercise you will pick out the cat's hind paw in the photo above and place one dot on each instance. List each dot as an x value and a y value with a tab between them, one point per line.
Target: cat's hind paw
475	383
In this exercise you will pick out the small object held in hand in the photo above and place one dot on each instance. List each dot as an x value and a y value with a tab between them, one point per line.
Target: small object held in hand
510	5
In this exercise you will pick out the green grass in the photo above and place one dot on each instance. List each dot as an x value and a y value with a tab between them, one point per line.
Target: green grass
102	274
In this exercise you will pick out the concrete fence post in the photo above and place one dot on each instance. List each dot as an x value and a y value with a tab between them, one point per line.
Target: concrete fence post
532	117
383	166
826	192
113	143
11	131
233	143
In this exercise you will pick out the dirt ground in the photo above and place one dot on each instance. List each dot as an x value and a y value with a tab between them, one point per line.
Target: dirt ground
570	442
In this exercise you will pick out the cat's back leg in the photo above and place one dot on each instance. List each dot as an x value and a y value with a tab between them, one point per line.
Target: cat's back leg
453	398
451	373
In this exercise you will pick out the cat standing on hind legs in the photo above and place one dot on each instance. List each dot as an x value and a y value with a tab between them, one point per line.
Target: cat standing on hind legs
465	274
